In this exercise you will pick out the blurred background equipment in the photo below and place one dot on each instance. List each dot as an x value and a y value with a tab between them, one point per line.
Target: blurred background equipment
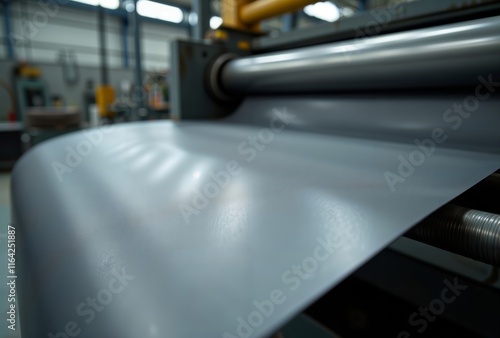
11	147
67	58
11	112
44	123
156	85
31	89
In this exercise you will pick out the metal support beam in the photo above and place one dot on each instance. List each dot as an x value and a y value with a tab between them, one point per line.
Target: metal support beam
136	21
7	29
362	5
204	13
125	34
102	46
289	22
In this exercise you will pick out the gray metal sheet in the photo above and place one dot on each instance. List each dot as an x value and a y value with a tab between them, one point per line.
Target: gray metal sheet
319	178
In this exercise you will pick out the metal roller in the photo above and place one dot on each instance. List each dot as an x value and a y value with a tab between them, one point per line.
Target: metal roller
450	55
467	232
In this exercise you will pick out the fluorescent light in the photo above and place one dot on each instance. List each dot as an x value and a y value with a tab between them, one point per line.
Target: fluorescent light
215	22
347	11
129	5
323	10
159	11
110	4
193	19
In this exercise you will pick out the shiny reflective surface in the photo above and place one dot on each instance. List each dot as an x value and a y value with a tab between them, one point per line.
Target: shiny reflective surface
295	212
445	55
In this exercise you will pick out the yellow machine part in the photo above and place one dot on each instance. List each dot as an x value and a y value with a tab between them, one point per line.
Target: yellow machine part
230	12
247	14
29	71
259	10
105	96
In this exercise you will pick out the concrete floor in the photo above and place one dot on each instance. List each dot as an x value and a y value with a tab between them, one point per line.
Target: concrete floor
4	222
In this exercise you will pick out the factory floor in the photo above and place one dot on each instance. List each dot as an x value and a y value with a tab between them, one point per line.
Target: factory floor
4	222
